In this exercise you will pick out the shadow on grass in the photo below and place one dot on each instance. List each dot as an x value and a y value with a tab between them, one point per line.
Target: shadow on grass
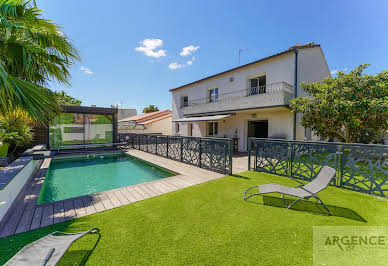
240	176
309	206
81	256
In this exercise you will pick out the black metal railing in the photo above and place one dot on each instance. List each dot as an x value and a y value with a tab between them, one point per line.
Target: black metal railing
359	167
280	86
214	154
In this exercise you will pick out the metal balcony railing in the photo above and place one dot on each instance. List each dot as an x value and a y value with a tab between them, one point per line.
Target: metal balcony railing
266	89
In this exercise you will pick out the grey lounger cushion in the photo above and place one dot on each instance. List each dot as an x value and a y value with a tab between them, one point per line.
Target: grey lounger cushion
47	250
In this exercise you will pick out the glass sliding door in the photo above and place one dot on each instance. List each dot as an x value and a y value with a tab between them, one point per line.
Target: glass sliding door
98	129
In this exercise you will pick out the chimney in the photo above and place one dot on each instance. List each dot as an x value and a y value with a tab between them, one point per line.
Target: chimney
93	105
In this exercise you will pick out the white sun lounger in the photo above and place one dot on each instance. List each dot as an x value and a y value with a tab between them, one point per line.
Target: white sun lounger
303	191
47	250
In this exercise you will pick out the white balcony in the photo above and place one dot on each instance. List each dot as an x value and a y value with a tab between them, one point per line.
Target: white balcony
277	94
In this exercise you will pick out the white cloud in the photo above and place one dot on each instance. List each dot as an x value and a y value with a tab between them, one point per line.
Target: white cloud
189	50
149	46
335	71
86	70
175	65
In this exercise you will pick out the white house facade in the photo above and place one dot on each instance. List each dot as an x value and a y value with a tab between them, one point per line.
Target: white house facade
251	100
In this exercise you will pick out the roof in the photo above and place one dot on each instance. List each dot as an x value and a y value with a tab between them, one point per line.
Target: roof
146	117
156	119
202	118
292	49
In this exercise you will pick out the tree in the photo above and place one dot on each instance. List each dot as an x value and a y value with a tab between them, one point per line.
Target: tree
150	109
65	99
33	51
352	107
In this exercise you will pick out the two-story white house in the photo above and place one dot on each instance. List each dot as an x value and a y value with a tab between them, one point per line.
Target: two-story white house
251	100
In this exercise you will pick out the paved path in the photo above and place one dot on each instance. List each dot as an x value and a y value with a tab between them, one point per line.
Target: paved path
27	215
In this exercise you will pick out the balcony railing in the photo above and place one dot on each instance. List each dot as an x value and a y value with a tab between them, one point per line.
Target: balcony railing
254	97
275	87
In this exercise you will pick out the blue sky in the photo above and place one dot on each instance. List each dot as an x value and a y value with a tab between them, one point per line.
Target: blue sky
114	71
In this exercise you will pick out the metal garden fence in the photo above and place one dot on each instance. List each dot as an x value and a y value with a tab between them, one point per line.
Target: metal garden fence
359	167
214	154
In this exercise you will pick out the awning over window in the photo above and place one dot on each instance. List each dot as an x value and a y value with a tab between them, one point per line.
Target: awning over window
202	118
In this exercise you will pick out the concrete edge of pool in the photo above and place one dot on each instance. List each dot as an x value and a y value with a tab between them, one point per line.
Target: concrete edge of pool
28	215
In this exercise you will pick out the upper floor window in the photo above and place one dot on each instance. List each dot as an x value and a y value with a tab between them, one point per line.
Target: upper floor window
185	101
212	128
213	95
257	85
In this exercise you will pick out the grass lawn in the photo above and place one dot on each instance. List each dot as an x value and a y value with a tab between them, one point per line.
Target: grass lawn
210	224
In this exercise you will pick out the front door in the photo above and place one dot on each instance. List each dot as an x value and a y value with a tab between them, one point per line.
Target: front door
258	129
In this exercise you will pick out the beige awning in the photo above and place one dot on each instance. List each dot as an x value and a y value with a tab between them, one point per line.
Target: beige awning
201	118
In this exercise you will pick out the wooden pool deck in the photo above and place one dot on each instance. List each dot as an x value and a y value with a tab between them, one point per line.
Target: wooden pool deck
27	215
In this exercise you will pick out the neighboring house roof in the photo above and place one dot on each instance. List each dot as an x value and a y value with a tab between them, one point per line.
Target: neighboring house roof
156	119
289	50
140	118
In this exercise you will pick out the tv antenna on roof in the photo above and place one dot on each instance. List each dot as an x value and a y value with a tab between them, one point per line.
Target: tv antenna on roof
239	53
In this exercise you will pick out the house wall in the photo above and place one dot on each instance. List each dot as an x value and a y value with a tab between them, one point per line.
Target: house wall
312	67
160	127
280	69
279	125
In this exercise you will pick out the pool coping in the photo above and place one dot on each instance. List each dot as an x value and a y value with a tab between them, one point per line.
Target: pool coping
28	215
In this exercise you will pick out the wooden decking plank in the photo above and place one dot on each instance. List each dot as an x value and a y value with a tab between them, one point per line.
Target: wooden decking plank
10	227
106	201
115	201
47	215
142	192
128	195
25	221
135	194
69	210
59	212
37	218
88	204
162	189
149	191
177	183
79	208
184	180
153	189
181	180
169	186
97	203
121	197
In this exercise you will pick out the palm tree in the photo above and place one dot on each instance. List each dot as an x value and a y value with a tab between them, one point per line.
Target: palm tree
33	51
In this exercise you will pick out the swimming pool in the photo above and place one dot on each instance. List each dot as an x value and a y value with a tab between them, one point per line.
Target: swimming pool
73	177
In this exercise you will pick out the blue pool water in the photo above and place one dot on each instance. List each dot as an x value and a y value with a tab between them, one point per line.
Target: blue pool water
73	177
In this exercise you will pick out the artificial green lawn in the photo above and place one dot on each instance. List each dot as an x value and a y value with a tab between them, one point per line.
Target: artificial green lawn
210	224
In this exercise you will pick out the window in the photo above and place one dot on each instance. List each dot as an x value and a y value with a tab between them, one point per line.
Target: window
185	101
176	127
307	133
213	95
257	85
212	128
190	133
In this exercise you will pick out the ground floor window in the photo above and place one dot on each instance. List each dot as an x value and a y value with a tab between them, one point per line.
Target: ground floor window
212	128
190	129
176	127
